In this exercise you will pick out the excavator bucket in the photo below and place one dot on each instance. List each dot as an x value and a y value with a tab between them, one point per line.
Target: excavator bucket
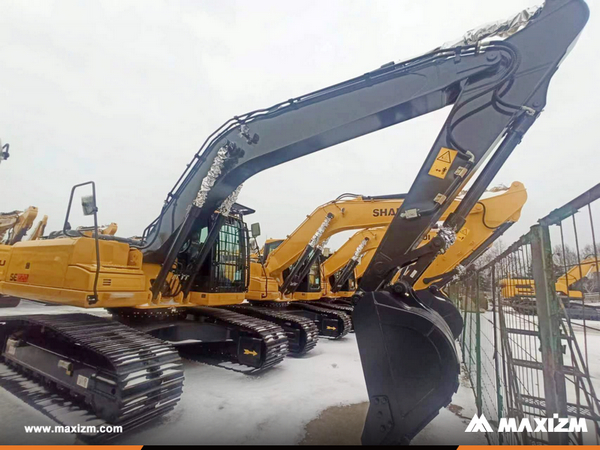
439	302
410	364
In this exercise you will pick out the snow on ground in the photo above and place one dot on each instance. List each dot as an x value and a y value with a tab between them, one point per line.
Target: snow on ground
449	426
225	407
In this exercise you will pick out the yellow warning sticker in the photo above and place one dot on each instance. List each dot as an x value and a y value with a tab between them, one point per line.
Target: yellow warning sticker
331	328
462	234
442	163
248	352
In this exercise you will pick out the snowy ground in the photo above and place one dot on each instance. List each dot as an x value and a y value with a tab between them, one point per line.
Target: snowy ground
224	407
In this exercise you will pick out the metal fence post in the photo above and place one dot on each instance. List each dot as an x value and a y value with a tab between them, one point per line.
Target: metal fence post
496	354
466	326
549	320
478	346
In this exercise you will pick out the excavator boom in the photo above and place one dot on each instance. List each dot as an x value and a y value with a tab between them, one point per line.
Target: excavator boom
408	384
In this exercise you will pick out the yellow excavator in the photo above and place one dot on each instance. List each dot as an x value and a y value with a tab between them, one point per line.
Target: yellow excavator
488	220
13	228
164	289
288	276
491	212
520	292
15	225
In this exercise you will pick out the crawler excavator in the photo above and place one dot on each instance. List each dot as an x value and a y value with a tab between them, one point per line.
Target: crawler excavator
13	228
492	215
289	274
126	370
520	293
293	267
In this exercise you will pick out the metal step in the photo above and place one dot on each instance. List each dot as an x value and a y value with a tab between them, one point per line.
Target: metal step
532	333
572	409
568	370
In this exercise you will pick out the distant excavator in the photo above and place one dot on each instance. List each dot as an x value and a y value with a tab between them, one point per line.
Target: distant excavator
165	289
15	225
492	215
13	228
520	292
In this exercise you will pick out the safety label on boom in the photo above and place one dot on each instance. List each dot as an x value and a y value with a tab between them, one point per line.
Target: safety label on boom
462	234
442	163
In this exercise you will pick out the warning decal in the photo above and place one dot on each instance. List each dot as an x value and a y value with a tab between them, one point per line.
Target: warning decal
462	234
442	163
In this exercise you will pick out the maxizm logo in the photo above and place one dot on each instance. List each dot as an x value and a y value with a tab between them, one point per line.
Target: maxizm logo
542	425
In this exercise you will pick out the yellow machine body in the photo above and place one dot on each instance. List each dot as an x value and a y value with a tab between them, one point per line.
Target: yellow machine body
63	271
488	214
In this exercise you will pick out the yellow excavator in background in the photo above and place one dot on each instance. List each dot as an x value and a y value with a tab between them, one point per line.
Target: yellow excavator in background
288	274
351	253
15	225
38	231
520	292
492	215
13	228
293	269
126	369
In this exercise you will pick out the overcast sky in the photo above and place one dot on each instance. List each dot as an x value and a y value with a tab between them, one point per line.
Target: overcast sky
124	92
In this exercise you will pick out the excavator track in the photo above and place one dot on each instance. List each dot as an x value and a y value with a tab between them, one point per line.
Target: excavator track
92	365
63	409
346	309
302	333
260	344
343	323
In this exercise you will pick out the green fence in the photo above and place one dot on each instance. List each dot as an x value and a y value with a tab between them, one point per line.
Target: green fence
531	324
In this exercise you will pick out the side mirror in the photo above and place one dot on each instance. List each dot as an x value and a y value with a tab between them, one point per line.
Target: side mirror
89	205
255	230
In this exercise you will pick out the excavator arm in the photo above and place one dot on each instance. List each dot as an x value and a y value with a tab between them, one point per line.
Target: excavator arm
490	114
494	86
443	279
587	266
327	220
349	255
17	224
304	245
491	213
39	229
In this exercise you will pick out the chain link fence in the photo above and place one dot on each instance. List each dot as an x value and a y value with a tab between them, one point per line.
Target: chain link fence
531	341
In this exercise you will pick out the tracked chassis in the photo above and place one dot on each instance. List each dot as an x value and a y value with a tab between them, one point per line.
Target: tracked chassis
216	336
124	376
331	323
302	333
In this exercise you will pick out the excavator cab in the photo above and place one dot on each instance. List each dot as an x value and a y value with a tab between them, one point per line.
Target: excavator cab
226	269
311	282
271	245
348	285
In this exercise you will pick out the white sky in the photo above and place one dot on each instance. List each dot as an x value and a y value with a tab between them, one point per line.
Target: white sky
124	92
